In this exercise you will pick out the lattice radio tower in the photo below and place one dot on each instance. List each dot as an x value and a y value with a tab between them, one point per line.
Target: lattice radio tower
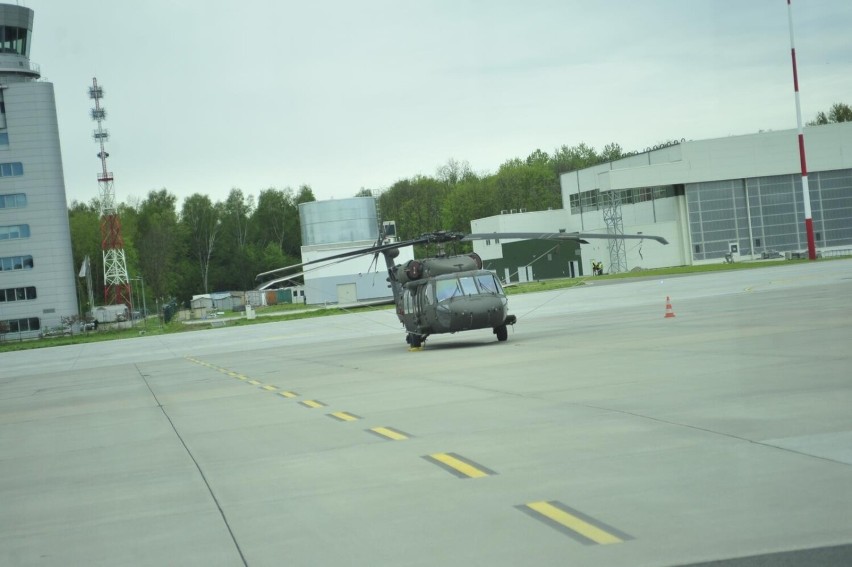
614	226
116	282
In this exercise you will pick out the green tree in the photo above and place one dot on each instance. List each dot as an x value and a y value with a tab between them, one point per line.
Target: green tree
469	199
454	172
415	204
159	243
611	152
84	220
574	157
276	219
233	267
267	258
839	112
527	185
304	195
538	157
201	221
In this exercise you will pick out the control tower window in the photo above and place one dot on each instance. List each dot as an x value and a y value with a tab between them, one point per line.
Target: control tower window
13	40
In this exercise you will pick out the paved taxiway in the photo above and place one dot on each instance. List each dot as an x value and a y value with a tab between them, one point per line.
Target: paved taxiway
601	433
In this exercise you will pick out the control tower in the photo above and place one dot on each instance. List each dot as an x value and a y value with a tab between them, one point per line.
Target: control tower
37	276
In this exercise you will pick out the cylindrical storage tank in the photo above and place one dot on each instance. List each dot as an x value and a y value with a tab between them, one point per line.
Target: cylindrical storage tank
339	220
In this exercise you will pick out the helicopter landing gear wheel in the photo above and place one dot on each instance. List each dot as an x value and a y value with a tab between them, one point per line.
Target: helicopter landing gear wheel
414	340
502	333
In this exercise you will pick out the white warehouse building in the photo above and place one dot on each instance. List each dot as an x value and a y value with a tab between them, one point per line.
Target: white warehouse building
37	286
739	196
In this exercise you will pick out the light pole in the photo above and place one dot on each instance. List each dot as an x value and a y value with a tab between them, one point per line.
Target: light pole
144	304
132	303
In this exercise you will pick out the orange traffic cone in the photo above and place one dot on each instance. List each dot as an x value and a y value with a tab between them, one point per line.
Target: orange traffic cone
669	311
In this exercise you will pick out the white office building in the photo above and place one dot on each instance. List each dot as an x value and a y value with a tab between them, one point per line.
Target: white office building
37	279
737	198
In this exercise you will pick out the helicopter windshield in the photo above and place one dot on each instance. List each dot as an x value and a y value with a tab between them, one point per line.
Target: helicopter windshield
467	285
488	283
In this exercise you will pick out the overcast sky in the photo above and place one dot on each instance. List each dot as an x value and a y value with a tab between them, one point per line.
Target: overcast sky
204	96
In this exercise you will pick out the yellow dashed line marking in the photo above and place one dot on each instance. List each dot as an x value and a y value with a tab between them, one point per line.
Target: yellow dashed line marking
389	433
344	416
312	404
581	527
459	466
254	382
269	388
288	394
241	377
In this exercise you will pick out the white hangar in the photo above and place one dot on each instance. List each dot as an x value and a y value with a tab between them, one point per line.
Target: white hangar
739	196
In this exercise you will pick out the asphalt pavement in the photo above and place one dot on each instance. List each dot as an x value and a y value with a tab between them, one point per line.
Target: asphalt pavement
602	433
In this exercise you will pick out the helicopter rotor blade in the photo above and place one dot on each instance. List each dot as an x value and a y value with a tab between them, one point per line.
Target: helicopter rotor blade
445	236
566	236
350	254
265	285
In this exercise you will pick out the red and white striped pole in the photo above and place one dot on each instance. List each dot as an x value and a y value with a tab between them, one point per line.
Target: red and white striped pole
806	195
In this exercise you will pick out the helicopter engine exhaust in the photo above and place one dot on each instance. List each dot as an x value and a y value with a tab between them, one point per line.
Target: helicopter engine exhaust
414	270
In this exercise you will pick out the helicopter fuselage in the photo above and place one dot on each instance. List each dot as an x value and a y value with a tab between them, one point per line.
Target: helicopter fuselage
453	302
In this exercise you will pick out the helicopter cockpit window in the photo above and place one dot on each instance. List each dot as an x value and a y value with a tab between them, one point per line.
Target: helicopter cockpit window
446	289
468	285
488	284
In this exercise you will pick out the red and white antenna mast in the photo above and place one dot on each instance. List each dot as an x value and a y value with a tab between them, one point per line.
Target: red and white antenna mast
806	195
116	282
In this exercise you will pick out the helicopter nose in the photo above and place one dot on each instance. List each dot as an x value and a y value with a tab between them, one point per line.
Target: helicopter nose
473	313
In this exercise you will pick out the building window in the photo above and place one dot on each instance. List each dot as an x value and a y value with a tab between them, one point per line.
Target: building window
20	325
574	203
13	201
4	138
18	294
11	263
10	169
590	199
644	194
13	39
14	232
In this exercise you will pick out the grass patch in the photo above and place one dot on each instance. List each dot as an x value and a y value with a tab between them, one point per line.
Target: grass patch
546	285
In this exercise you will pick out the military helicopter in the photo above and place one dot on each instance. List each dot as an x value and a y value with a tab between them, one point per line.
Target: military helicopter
448	293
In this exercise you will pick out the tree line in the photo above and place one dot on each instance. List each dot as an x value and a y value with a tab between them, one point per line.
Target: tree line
202	246
198	248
